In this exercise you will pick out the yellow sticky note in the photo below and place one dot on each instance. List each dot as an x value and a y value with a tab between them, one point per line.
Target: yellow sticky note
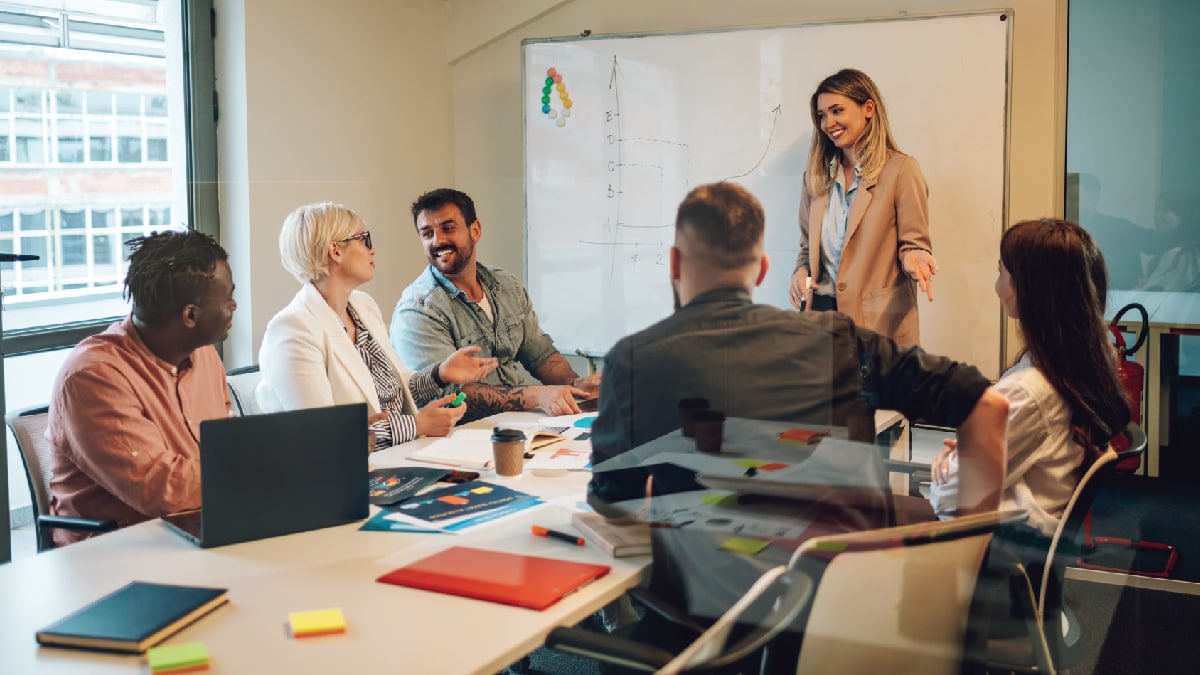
749	463
744	545
183	658
719	500
317	622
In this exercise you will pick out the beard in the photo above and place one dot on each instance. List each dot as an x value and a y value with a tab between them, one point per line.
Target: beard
454	264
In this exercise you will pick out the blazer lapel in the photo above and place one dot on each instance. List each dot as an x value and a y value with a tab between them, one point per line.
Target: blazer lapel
861	201
341	348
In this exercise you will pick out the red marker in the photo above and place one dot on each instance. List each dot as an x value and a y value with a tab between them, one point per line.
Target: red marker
540	531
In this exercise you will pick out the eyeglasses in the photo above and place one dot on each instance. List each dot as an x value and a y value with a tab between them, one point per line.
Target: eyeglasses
365	236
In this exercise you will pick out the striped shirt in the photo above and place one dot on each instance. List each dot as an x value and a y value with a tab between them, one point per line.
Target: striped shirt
398	427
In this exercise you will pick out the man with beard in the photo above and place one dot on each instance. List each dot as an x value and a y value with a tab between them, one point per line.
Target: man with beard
457	302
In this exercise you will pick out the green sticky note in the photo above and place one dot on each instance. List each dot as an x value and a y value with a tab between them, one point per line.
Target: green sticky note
719	500
749	463
744	545
174	657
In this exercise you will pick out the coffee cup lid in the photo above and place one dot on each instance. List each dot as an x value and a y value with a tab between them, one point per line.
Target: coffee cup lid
502	435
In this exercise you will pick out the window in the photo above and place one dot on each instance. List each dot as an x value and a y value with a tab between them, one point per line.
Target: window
100	149
85	84
156	149
129	149
70	149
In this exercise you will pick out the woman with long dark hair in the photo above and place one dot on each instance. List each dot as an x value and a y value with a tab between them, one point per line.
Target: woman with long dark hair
1065	401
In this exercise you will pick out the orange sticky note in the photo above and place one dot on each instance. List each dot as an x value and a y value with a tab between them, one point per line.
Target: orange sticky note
317	622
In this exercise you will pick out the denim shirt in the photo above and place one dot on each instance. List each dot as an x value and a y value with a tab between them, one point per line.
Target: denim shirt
434	318
833	227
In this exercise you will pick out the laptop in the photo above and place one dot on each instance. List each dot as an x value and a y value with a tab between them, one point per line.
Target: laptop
268	475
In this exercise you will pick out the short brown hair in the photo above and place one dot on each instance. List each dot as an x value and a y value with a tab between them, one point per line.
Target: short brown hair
726	220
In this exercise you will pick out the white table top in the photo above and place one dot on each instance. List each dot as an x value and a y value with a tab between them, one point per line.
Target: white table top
390	628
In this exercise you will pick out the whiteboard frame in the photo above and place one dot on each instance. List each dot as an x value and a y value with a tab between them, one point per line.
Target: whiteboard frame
1005	14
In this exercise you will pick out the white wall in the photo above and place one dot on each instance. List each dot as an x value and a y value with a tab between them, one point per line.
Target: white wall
347	101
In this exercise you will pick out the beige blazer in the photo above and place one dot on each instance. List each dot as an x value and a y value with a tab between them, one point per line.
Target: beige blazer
308	360
889	217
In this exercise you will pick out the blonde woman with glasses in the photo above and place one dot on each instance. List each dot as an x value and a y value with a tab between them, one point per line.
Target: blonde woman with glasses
864	215
330	345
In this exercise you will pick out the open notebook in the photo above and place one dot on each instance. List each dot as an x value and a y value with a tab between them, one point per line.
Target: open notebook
472	448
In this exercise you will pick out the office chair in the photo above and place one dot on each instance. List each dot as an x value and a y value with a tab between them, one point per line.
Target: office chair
29	429
889	599
242	382
1046	559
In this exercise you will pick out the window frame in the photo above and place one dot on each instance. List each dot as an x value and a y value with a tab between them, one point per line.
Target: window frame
199	79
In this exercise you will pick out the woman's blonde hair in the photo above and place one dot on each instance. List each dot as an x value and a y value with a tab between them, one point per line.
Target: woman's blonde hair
306	234
871	148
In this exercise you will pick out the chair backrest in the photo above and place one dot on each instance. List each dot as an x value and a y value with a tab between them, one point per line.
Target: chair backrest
896	599
785	589
242	383
29	428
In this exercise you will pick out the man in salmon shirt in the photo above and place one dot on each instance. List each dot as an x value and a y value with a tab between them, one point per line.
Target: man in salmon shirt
125	412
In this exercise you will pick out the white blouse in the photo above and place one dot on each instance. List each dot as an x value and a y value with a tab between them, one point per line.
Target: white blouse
1043	460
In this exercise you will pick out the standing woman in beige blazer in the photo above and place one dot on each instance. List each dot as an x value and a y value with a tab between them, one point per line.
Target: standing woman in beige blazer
330	345
864	215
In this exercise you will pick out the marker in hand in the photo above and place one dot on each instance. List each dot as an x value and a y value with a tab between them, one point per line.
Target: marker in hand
458	400
540	531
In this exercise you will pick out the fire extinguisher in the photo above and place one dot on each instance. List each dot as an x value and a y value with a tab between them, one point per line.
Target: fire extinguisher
1132	375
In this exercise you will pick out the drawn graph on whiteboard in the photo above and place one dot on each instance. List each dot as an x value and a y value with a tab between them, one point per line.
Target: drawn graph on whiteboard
645	172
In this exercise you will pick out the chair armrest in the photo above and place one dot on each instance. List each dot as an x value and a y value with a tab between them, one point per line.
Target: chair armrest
608	648
75	523
666	610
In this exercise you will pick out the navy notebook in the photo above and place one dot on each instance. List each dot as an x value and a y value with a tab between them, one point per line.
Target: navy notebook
133	618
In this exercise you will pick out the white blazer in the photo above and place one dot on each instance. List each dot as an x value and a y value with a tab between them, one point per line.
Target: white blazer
309	361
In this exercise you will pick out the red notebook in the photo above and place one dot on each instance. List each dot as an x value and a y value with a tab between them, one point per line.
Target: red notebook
507	578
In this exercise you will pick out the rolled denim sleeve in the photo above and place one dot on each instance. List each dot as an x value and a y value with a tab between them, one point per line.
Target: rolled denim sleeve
536	346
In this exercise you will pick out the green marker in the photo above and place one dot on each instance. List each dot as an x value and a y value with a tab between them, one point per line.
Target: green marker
458	400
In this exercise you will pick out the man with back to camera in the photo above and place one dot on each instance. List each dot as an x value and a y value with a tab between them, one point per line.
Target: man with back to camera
458	301
126	407
758	361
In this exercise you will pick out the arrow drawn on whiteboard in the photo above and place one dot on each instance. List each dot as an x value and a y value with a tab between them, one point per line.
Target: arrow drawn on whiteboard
774	123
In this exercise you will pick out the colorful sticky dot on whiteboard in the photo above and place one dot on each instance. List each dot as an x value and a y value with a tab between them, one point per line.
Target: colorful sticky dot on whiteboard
546	108
562	121
567	103
549	81
551	72
552	114
566	112
546	90
557	78
545	100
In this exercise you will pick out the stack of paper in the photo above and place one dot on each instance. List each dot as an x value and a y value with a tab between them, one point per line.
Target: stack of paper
173	659
317	622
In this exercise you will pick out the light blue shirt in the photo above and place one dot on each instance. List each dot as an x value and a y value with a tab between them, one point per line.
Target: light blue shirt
434	317
833	227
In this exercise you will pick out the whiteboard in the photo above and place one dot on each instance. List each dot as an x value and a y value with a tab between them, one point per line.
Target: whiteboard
653	116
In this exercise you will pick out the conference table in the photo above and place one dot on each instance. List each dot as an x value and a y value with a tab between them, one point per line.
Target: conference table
1170	313
389	628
